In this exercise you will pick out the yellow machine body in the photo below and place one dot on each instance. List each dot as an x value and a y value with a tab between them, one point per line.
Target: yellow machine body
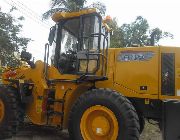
126	77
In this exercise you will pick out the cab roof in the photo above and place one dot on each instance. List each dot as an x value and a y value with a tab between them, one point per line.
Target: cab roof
65	15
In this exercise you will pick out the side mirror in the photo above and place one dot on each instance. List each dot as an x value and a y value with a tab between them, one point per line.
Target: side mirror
51	35
26	56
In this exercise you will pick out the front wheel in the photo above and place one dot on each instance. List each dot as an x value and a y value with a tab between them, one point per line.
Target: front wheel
8	113
103	114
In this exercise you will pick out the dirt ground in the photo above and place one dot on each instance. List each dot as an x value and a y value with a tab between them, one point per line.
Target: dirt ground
151	132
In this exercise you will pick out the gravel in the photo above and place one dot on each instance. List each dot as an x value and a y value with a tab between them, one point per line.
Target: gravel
151	132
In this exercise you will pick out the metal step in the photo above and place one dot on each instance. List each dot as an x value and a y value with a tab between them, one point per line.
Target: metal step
51	101
51	113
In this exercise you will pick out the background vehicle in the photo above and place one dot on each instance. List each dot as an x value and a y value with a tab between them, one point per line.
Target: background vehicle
95	92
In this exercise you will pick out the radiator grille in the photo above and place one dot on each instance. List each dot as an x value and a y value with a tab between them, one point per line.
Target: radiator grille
168	74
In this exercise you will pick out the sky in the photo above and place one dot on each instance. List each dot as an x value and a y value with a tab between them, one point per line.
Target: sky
159	13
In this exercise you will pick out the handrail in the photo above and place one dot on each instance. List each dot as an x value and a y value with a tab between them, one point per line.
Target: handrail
46	57
103	63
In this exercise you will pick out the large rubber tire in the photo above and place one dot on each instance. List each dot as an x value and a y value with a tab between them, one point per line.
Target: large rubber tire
142	123
124	111
9	122
20	106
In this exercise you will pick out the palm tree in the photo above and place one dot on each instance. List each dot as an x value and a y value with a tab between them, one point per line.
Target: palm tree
72	5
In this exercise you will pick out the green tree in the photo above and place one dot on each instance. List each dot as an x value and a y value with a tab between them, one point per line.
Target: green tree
156	34
135	33
10	38
117	35
139	33
100	7
72	5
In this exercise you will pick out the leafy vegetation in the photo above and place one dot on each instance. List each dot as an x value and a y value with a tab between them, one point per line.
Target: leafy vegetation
117	39
72	5
136	33
10	39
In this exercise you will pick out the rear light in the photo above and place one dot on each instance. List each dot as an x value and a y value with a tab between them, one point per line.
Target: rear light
10	74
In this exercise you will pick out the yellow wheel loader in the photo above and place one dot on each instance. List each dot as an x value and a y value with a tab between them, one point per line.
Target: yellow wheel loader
95	92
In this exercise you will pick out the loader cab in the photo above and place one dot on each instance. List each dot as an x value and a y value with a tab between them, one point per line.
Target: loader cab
80	43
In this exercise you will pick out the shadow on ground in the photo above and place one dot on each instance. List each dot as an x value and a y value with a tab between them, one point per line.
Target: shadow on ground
151	132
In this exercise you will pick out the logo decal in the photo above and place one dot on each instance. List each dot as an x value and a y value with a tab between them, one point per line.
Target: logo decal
135	56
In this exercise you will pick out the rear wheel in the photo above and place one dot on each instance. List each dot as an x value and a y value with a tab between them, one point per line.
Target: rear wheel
99	122
103	114
8	114
1	110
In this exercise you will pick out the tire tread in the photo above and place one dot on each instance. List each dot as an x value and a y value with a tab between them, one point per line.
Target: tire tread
132	120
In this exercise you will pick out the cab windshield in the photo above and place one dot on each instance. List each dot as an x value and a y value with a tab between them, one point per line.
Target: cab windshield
76	37
71	33
69	36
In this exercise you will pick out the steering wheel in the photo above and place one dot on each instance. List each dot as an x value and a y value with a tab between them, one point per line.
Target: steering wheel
66	62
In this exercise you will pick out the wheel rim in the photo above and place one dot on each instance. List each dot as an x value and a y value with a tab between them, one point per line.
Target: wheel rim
99	123
1	110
